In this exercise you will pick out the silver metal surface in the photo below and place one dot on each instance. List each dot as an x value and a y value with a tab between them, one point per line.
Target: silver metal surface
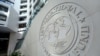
64	28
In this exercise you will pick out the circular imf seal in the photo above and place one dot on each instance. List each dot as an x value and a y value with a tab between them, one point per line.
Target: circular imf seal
65	31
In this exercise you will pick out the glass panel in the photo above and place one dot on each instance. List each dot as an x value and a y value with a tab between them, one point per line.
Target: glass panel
22	18
24	6
23	12
22	25
8	1
3	17
4	41
3	8
24	1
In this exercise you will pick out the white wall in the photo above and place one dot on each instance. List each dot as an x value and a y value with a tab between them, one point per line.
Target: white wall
12	21
32	46
17	5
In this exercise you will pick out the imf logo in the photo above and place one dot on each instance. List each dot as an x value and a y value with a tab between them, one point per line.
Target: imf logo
65	31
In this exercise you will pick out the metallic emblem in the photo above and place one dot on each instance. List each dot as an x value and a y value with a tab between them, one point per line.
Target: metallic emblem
65	31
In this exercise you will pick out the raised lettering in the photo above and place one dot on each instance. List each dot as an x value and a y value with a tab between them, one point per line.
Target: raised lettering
82	20
82	45
85	39
76	51
78	14
70	8
84	30
75	10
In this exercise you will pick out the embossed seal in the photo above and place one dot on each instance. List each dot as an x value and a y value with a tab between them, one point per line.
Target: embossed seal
65	31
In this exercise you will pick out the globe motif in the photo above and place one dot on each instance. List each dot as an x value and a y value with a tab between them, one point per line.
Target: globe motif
59	35
66	31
